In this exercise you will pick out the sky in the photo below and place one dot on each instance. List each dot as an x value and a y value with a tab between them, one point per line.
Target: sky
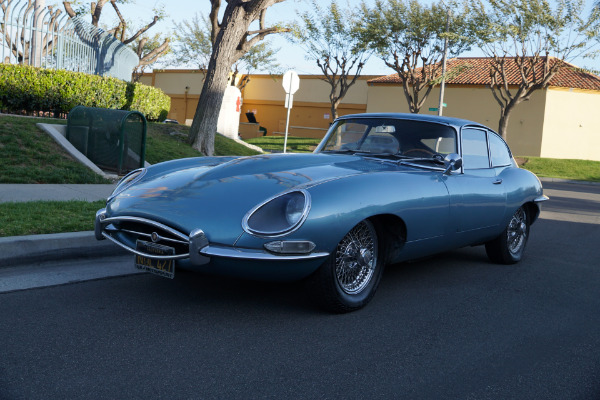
289	56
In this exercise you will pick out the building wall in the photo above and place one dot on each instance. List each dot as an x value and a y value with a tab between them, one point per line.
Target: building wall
310	115
572	128
474	103
183	86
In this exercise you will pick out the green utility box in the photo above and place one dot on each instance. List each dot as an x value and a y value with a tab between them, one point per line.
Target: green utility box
114	140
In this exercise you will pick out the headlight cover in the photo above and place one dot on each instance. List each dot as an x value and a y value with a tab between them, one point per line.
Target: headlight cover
127	181
279	215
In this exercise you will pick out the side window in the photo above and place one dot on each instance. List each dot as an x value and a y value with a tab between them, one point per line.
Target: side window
474	149
499	151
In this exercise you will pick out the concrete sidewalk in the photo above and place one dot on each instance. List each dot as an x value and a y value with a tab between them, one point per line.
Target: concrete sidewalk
34	192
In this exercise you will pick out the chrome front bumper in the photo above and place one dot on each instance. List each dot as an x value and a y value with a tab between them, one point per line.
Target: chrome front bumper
196	245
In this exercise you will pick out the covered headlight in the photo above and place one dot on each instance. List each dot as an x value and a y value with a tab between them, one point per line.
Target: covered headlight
279	215
128	180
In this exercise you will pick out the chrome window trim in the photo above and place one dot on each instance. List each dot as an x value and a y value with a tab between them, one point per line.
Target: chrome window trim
487	144
305	211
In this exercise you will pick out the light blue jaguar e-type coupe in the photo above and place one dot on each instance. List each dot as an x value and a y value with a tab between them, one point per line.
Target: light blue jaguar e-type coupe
379	189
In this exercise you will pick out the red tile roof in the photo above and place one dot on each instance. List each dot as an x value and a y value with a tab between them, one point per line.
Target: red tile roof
475	71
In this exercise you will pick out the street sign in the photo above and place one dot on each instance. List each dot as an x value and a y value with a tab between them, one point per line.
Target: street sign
290	83
433	108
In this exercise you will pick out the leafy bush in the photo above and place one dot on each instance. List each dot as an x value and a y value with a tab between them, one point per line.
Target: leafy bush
30	89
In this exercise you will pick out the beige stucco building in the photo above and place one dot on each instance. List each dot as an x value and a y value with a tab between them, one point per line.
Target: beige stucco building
561	121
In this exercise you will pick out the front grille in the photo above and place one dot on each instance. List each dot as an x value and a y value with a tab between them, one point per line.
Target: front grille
126	231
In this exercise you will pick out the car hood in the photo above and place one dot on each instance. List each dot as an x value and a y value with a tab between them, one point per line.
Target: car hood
215	198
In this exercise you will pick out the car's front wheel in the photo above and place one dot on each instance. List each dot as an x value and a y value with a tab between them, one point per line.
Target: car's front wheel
349	278
508	248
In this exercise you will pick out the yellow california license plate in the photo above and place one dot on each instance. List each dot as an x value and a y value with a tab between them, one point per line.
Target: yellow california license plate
156	266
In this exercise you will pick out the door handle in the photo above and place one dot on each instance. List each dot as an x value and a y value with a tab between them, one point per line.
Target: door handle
497	181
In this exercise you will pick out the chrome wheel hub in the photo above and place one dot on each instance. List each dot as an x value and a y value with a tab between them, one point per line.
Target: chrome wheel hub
356	258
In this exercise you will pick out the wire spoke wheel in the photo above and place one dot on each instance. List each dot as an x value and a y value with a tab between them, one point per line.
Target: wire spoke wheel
356	258
348	279
508	248
517	232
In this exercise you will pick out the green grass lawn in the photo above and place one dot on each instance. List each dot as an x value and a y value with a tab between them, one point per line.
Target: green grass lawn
170	141
28	155
39	217
294	144
581	170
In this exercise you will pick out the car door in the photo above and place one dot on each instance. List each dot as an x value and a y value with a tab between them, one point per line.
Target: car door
477	195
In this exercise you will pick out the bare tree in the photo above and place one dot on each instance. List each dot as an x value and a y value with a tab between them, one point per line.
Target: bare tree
192	47
231	38
532	40
409	38
147	54
332	38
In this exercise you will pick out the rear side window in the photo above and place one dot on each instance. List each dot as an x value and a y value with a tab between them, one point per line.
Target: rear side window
499	150
474	149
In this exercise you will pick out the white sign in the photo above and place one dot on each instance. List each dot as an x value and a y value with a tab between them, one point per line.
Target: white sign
291	82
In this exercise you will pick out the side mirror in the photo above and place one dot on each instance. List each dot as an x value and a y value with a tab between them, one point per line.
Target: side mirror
453	163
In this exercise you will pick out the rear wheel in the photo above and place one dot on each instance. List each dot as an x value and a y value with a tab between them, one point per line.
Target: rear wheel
349	278
508	248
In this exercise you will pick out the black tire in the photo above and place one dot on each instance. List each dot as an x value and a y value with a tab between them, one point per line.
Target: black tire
508	248
348	279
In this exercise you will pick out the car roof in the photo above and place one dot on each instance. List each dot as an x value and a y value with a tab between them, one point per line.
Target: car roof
415	117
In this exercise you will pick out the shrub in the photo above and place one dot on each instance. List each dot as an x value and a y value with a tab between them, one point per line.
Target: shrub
29	89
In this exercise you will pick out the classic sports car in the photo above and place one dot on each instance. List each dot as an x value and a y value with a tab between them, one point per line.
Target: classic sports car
379	189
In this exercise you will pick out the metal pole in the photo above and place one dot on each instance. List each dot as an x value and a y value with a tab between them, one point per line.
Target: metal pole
443	83
287	122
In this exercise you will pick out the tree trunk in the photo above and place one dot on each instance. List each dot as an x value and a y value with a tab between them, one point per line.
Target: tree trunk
206	117
204	126
503	123
334	106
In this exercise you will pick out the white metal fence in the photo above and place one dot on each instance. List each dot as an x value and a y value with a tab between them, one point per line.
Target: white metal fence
44	38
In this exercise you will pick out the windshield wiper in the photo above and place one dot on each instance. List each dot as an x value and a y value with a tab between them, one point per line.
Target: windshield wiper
341	151
436	158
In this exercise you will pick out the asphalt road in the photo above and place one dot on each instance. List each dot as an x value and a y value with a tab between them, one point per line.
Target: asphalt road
450	327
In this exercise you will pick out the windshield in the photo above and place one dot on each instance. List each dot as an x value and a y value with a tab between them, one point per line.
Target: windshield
389	136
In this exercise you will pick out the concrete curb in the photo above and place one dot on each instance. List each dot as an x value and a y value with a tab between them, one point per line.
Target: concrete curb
18	250
558	180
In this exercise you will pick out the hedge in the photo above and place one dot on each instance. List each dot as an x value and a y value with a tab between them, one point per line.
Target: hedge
29	89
